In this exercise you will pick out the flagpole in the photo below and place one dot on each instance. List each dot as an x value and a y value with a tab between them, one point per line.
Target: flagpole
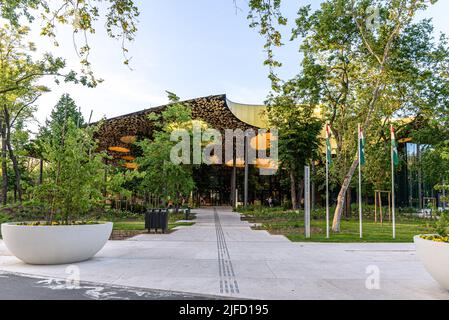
327	185
360	184
393	207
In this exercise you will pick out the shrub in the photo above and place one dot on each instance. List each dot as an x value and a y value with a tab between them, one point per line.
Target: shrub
442	225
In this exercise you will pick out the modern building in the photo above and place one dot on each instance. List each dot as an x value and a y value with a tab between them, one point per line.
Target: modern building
215	183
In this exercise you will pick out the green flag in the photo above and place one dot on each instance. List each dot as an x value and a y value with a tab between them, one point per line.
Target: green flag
362	147
394	147
328	145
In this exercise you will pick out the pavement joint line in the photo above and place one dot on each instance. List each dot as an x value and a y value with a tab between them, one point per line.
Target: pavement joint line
383	251
264	269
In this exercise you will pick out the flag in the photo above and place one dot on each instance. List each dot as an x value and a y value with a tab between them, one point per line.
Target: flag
362	147
394	147
328	144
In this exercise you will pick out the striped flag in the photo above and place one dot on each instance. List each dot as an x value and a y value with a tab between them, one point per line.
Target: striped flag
328	144
394	147
362	147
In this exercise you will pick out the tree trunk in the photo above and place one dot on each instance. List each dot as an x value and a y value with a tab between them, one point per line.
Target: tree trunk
293	189
300	194
15	165
17	174
4	166
348	203
371	108
41	171
12	156
342	195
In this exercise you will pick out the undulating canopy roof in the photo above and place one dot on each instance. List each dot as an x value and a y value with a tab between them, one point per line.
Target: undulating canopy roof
116	135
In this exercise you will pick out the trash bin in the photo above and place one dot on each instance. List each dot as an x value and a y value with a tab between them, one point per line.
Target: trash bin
187	213
156	219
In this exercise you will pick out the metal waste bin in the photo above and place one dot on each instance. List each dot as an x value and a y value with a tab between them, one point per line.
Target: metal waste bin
156	219
187	213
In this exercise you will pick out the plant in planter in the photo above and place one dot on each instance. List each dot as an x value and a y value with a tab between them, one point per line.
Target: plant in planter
433	250
441	229
74	178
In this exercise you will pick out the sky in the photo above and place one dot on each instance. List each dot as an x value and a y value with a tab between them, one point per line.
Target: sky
192	48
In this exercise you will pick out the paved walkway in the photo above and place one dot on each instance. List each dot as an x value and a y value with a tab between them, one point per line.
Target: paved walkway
221	255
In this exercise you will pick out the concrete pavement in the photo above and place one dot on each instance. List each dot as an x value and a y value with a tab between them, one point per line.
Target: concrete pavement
221	255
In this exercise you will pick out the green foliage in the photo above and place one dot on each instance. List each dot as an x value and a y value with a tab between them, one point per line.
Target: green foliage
4	218
120	21
442	225
159	174
74	173
298	127
363	75
291	224
19	72
118	215
265	15
435	167
65	110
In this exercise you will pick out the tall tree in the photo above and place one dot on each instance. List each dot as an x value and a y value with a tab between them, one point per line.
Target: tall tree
74	173
298	129
64	110
19	89
366	72
19	83
160	175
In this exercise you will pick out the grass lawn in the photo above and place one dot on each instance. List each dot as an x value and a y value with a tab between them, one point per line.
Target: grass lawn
135	224
139	224
291	224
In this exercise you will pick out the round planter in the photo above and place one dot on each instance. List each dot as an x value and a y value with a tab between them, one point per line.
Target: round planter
435	257
55	244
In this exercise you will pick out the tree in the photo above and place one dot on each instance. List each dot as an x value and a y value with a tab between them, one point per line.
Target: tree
18	91
298	129
365	73
19	72
64	110
19	88
120	21
74	174
160	175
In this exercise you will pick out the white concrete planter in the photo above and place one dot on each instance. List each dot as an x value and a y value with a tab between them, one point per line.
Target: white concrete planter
435	257
55	244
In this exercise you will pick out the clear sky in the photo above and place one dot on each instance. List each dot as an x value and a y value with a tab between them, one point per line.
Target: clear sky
193	48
